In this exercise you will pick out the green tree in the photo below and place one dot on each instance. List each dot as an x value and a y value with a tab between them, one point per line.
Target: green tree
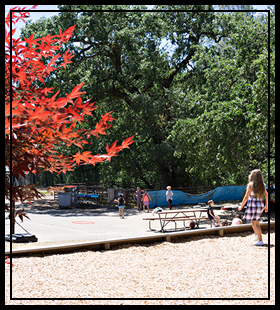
226	132
194	111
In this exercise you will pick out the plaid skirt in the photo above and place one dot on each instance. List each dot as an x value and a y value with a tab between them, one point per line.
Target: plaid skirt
254	209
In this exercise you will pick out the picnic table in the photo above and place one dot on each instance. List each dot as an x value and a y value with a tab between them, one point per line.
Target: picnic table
165	217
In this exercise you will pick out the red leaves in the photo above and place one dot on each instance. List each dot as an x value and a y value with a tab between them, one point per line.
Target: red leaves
31	41
6	261
101	126
127	142
42	121
78	157
15	18
107	117
75	92
7	35
66	57
114	149
20	213
23	193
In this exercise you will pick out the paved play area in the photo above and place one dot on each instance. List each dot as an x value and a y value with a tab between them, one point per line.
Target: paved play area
50	224
82	224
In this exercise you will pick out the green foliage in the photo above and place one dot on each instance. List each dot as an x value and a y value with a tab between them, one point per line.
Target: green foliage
199	113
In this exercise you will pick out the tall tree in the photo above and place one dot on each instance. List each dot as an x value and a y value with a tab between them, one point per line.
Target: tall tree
118	54
164	97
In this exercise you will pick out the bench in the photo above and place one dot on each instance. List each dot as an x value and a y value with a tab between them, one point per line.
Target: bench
151	219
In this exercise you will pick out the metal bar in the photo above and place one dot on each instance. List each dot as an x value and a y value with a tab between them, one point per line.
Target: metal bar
160	223
23	228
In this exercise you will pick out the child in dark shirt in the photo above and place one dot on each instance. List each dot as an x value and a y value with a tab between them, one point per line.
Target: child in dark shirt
211	214
121	203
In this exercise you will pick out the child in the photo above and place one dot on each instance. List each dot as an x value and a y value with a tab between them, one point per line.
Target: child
138	196
145	200
121	203
236	220
169	195
211	214
255	206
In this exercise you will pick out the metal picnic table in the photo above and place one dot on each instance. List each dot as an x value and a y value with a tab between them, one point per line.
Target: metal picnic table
178	215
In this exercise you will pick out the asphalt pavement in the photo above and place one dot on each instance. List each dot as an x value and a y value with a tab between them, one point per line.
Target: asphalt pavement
80	225
49	223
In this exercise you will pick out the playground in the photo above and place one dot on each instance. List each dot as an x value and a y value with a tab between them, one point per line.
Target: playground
186	106
53	225
157	271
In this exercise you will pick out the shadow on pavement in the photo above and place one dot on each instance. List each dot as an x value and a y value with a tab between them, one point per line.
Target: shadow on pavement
51	207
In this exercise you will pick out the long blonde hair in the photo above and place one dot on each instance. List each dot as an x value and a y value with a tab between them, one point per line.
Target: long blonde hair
256	183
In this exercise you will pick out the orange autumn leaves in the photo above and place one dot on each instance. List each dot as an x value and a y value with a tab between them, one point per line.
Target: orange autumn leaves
37	120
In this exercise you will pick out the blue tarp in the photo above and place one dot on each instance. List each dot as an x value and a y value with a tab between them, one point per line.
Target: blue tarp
87	196
222	193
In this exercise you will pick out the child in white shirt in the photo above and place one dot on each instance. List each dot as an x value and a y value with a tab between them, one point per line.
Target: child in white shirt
169	195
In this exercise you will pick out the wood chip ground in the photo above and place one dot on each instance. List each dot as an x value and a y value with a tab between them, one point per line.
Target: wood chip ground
198	267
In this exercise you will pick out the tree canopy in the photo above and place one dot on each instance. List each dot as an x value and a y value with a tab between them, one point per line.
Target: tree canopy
189	82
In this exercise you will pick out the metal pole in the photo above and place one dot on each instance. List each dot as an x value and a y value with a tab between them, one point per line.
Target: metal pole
12	214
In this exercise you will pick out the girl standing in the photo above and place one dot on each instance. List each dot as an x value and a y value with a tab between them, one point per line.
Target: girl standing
121	203
255	206
146	198
139	197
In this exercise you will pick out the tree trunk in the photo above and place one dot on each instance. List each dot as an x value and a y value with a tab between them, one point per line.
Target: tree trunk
142	175
168	176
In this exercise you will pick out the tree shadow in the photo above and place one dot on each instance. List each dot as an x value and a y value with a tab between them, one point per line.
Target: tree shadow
51	207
